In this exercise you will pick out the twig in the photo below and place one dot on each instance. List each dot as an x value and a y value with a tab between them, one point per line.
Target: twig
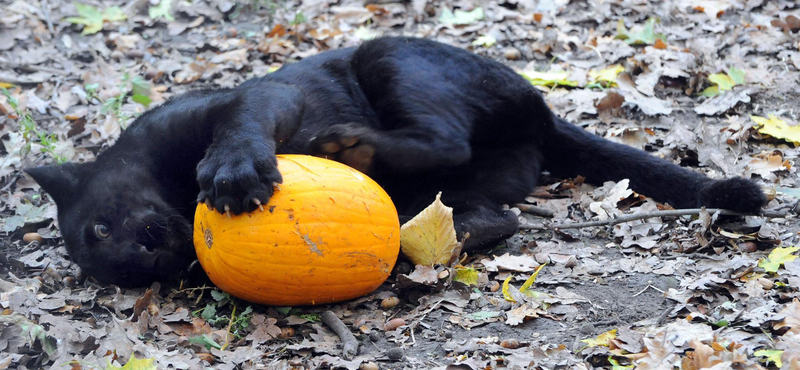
534	210
350	345
228	331
640	216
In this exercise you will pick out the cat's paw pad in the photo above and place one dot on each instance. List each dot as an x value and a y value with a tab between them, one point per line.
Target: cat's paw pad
349	143
237	183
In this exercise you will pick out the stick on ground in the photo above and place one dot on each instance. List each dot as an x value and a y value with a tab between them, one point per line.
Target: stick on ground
641	216
534	210
350	344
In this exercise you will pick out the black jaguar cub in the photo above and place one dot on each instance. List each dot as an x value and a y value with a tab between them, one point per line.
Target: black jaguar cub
417	116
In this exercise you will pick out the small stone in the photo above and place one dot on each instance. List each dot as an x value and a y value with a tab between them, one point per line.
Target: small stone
494	286
512	53
444	274
542	258
375	336
767	284
395	354
368	366
394	324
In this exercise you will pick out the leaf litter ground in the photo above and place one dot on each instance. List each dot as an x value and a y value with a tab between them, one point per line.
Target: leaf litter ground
694	291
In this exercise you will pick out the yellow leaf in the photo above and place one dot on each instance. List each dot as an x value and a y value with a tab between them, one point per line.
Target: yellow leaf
135	364
772	355
550	78
607	75
602	339
506	294
430	237
527	285
6	85
466	275
777	128
777	257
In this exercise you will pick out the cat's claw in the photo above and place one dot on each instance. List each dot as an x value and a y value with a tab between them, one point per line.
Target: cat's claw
258	203
276	185
228	210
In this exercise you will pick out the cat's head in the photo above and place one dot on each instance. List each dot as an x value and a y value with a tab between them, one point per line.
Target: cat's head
116	225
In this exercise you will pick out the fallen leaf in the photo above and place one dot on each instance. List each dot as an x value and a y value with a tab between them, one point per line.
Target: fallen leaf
486	41
778	257
162	10
791	318
772	355
601	340
723	102
646	35
550	78
606	76
460	17
723	82
466	275
777	128
430	237
135	364
510	263
649	105
92	18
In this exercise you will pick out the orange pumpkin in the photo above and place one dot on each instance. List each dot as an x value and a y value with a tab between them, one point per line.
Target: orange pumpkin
328	234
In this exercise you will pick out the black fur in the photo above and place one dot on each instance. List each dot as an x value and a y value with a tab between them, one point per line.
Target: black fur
417	116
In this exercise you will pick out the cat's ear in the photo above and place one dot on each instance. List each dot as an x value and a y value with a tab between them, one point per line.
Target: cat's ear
61	181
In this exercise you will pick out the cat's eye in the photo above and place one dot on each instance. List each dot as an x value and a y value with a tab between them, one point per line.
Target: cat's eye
101	231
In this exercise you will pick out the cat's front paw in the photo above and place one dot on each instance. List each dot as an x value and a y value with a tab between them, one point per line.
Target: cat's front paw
349	143
237	181
736	194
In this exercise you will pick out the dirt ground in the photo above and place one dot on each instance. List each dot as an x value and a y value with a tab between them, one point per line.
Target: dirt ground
709	84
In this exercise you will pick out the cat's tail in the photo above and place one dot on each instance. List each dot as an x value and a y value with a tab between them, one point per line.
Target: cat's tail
571	151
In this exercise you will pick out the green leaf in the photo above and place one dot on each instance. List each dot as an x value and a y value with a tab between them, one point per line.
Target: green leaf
551	78
616	366
466	275
646	35
483	315
737	75
219	295
710	91
283	310
778	257
140	86
313	317
486	41
460	17
772	355
606	76
205	340
209	313
161	11
92	18
142	99
723	81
